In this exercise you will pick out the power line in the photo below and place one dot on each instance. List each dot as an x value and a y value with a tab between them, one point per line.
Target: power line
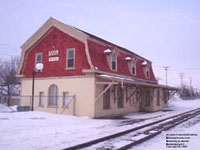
187	74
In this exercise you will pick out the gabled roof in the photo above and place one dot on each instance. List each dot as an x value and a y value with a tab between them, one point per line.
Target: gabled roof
51	22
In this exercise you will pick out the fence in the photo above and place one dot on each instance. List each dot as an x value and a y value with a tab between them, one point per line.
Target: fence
54	104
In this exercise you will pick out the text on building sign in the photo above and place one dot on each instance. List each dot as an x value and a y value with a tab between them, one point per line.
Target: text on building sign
53	53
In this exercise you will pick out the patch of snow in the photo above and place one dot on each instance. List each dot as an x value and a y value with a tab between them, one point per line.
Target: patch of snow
144	63
138	137
14	107
128	58
41	130
122	143
159	141
4	108
115	77
107	51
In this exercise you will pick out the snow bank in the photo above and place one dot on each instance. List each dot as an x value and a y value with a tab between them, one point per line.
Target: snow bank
40	130
178	104
4	108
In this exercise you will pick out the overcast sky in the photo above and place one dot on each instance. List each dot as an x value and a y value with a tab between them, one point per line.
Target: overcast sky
167	32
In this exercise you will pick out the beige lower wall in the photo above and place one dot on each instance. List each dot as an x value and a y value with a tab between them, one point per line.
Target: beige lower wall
162	104
86	90
134	104
153	103
81	87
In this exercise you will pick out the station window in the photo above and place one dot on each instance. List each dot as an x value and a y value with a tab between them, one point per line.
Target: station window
38	58
71	58
41	99
106	99
114	61
147	72
65	99
133	67
53	95
120	97
147	97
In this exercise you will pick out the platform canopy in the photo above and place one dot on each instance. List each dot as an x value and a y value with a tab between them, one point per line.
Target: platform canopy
136	82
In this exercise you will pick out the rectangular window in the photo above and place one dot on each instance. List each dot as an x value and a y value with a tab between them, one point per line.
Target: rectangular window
147	72
120	97
147	97
106	99
113	61
133	68
113	65
158	96
41	99
65	99
71	58
38	58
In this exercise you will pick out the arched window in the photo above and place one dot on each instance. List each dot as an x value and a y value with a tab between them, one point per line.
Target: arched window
147	72
114	61
53	95
133	67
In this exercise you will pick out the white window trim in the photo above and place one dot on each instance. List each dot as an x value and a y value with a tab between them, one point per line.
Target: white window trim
66	106
69	49
133	61
56	102
40	97
147	68
36	57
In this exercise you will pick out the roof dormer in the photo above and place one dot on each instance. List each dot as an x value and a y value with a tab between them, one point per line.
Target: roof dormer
146	69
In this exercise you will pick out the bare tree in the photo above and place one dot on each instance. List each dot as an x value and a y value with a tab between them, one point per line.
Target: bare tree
9	84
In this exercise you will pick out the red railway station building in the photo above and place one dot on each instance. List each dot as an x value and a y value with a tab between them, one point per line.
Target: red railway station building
85	75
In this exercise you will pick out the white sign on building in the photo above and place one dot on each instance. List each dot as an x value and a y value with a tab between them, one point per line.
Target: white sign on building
53	53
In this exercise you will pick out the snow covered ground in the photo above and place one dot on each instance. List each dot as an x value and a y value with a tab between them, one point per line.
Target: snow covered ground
40	131
189	129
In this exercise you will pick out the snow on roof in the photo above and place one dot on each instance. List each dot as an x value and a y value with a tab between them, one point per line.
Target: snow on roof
144	63
128	58
107	51
115	77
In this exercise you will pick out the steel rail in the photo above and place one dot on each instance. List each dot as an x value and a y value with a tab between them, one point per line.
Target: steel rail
115	135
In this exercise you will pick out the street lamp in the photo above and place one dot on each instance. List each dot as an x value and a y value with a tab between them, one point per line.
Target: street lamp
38	68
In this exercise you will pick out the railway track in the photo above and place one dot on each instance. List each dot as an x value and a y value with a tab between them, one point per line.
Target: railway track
128	138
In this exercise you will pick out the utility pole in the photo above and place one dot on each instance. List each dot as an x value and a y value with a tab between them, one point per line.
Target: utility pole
166	69
182	76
